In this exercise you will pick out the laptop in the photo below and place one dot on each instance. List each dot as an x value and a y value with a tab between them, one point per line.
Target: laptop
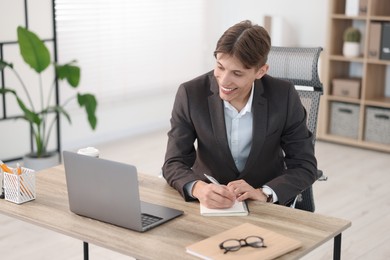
108	191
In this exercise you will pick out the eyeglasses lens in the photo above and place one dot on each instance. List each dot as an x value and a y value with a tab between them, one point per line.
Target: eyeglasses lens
231	245
254	241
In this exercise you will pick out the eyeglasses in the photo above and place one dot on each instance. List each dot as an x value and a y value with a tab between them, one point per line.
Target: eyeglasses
236	244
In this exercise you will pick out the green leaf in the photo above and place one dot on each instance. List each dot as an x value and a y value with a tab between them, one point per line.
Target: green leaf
89	102
4	64
60	110
7	90
33	50
69	72
29	115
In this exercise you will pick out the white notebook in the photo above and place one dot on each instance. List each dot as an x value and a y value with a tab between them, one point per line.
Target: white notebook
238	209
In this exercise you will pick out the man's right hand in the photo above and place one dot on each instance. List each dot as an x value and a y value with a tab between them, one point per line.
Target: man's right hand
213	196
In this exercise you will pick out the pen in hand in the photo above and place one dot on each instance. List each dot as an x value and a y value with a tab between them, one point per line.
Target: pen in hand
212	179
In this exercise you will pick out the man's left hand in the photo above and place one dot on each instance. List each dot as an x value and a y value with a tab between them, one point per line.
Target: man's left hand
244	191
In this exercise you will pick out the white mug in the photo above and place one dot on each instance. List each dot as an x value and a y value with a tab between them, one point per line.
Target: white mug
89	151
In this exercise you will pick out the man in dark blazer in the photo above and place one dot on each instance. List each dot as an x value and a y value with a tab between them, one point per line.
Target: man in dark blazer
249	128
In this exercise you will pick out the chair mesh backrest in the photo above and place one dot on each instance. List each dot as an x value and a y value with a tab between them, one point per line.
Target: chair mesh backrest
299	66
311	100
296	64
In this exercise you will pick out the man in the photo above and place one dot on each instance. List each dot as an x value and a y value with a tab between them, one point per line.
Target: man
250	129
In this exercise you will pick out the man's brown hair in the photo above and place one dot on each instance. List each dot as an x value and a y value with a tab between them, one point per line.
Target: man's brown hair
249	43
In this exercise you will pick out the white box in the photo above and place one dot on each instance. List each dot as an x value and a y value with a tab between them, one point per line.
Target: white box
352	7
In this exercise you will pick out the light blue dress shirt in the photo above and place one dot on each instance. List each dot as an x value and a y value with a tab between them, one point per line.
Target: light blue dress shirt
239	131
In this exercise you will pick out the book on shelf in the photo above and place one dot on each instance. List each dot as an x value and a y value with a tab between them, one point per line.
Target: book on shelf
385	42
374	41
238	209
275	244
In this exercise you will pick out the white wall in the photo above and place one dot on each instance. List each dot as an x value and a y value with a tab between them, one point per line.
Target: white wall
306	28
304	22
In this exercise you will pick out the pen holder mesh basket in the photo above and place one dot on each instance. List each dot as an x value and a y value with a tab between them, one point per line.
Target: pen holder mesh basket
19	188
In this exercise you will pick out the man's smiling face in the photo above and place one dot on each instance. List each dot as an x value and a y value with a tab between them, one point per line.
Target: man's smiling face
234	80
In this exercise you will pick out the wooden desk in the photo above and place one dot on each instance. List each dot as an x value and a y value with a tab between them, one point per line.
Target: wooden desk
50	210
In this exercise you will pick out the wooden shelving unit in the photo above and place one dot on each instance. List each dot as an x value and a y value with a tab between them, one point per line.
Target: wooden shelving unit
373	73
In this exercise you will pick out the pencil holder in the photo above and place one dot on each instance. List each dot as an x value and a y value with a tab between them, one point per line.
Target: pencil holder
19	188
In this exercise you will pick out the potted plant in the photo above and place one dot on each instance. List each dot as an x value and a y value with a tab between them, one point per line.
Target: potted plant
351	47
36	54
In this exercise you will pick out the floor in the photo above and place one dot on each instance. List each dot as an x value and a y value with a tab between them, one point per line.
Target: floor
357	189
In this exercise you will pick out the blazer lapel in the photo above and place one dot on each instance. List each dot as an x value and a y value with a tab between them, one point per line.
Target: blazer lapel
218	122
260	119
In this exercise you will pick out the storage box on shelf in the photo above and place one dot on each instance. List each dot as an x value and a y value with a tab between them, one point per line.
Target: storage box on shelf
372	92
377	125
344	119
346	87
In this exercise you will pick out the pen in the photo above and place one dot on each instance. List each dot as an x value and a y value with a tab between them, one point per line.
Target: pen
25	189
5	167
212	179
18	169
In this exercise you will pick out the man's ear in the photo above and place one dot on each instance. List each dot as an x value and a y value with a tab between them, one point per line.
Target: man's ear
262	71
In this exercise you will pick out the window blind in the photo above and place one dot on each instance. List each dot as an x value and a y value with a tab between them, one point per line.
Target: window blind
131	47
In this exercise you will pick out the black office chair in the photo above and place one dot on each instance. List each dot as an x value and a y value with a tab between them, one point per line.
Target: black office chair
300	66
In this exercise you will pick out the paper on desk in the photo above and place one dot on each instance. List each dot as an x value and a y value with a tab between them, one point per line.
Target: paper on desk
238	209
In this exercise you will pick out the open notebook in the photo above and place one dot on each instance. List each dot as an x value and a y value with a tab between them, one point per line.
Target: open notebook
238	209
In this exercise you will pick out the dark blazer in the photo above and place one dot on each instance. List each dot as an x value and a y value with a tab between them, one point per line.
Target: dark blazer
282	153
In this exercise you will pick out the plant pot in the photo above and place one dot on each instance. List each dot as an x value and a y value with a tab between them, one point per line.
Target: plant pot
351	49
32	162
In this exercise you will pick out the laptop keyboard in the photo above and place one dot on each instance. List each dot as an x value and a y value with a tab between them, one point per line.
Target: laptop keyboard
148	219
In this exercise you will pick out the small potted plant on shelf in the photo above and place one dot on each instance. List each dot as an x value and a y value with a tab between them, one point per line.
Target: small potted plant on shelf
36	54
351	47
